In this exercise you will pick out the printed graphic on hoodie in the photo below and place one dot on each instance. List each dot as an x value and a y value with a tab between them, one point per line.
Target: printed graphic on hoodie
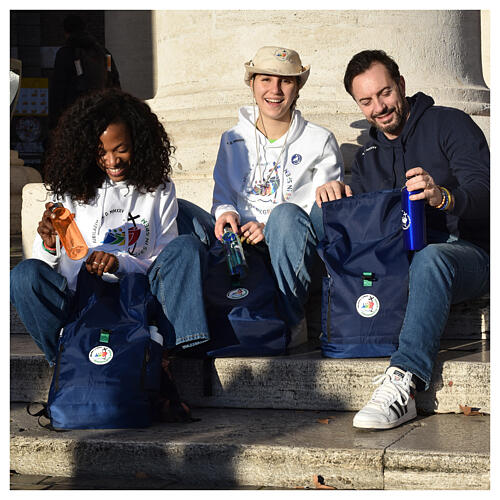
131	236
118	237
266	190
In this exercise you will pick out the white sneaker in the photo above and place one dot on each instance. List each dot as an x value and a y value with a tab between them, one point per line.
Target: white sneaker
392	403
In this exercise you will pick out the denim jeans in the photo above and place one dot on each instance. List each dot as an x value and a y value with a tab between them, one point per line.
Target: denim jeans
291	238
43	301
176	279
446	271
290	235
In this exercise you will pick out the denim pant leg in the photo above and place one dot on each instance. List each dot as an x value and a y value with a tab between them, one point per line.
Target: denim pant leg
176	279
43	301
292	242
316	216
441	274
318	270
191	219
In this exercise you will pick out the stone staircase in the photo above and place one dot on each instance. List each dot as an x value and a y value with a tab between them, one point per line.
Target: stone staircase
276	422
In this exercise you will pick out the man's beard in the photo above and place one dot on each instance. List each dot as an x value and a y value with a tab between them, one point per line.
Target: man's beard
400	116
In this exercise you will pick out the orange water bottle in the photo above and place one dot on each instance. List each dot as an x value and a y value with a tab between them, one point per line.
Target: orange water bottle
71	238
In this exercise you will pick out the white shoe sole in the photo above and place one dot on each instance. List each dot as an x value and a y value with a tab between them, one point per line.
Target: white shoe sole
383	425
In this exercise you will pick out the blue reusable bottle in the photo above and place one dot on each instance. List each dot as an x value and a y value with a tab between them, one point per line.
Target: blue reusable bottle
235	256
413	221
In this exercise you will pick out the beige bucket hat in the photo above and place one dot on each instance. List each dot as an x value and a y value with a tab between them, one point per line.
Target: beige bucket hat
277	61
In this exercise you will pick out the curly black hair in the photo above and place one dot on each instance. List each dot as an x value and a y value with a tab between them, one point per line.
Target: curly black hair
71	165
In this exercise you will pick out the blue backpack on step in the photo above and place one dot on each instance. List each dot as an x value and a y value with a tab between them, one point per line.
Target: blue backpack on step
365	294
244	318
108	367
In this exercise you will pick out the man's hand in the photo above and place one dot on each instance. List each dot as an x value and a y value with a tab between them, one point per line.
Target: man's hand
418	179
101	262
46	229
333	190
252	232
231	218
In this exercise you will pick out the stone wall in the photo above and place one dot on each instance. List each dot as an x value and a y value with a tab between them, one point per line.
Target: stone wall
189	64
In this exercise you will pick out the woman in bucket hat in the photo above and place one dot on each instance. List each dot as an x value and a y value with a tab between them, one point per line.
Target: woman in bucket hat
271	168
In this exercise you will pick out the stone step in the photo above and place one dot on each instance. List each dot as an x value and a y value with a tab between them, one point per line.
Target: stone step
238	448
300	381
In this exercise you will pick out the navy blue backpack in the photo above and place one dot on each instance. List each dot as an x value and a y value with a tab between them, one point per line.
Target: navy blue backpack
366	291
243	318
108	368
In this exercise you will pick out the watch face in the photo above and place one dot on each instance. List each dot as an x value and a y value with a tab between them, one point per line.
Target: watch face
28	129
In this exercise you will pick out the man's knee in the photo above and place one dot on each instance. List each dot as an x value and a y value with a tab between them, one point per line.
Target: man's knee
433	257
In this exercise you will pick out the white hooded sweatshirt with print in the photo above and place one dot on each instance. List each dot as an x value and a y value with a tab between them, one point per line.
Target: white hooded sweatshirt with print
249	182
120	220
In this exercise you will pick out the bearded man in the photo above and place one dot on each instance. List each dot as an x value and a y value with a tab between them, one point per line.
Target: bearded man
442	152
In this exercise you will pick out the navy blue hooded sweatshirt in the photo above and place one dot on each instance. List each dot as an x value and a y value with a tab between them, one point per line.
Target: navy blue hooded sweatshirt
447	144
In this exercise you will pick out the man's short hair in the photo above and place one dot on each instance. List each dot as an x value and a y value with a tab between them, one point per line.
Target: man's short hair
73	24
362	62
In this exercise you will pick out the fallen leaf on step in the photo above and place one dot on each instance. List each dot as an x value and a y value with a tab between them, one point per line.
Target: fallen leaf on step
469	410
141	475
323	420
319	483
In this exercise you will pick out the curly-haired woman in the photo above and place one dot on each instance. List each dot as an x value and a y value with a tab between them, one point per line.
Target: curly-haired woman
109	164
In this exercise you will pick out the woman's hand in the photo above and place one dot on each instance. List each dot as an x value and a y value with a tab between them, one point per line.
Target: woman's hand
418	179
252	232
46	229
231	218
333	190
101	262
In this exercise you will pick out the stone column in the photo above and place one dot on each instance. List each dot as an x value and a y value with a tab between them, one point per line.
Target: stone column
20	175
192	62
200	56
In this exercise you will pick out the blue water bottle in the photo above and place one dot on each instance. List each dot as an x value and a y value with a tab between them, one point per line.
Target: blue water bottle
235	256
413	221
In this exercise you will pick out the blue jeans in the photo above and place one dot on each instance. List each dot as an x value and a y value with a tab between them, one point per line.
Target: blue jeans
291	237
43	302
447	271
176	279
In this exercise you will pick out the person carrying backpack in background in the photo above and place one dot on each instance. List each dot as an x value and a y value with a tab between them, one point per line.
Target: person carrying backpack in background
81	65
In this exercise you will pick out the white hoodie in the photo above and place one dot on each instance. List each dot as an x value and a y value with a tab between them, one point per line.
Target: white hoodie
310	156
119	220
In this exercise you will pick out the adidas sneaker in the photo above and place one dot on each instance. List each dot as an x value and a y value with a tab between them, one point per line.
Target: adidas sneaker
391	404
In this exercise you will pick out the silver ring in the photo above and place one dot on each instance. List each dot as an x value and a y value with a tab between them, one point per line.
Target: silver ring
94	263
101	264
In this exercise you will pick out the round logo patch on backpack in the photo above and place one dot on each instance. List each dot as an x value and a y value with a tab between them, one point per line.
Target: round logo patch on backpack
101	355
237	293
367	305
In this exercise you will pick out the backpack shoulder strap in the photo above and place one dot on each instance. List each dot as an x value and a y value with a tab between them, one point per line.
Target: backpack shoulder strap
42	413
